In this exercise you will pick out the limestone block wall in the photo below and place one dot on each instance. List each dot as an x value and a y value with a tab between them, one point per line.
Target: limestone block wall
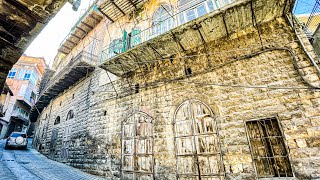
248	75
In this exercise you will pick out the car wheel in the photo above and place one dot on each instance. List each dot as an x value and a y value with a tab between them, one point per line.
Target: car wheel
6	147
25	148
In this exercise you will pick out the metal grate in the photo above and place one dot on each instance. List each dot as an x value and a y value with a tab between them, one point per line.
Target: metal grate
269	152
137	147
197	144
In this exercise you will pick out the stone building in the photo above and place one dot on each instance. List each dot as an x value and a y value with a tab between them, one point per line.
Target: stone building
167	89
23	79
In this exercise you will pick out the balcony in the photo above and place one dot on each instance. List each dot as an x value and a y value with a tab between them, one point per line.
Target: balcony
20	114
77	68
179	33
81	29
28	97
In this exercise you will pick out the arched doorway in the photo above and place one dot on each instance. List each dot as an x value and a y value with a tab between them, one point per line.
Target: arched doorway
54	137
137	147
197	143
67	135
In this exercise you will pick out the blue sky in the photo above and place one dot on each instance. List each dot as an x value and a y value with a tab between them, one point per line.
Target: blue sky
304	6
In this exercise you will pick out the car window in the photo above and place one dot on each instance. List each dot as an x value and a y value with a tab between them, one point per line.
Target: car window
17	135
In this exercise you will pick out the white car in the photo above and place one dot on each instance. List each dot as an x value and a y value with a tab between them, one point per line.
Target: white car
18	140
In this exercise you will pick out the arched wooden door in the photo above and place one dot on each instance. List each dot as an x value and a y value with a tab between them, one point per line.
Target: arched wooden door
197	143
137	147
67	135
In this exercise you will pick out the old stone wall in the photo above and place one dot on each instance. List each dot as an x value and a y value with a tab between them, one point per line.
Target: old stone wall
249	75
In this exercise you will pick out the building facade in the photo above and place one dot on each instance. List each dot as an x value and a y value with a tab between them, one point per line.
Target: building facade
167	89
23	79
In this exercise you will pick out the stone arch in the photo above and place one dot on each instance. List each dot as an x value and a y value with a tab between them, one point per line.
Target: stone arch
137	147
197	146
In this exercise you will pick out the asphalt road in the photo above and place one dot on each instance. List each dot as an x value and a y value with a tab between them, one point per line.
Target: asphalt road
31	165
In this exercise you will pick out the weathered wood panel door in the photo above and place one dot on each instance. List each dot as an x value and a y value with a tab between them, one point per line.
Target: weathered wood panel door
137	147
67	135
197	142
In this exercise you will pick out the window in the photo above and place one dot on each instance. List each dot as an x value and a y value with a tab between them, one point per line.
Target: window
196	142
137	147
33	78
134	38
268	150
190	10
12	73
161	20
57	121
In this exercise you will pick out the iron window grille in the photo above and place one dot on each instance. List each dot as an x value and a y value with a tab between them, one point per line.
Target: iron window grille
268	150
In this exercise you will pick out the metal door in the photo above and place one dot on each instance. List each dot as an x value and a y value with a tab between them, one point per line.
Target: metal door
137	147
197	143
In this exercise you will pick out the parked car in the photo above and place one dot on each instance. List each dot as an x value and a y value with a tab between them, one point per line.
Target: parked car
17	140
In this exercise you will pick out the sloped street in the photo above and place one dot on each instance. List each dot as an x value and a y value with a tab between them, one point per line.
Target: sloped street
31	165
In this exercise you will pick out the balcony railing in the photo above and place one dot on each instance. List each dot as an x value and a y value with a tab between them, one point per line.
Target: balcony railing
186	15
20	114
83	56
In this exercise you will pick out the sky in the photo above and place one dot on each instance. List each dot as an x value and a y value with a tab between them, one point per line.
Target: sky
46	44
304	6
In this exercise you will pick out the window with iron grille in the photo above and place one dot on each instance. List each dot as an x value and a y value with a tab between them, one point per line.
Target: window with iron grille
269	152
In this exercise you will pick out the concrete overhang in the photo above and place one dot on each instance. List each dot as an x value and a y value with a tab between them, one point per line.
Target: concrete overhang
76	69
85	24
213	26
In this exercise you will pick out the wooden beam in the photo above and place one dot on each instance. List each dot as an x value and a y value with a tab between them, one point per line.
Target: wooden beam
74	35
87	25
134	5
109	18
71	42
85	32
114	4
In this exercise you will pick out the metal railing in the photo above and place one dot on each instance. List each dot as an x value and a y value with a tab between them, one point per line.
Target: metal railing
83	56
195	11
21	114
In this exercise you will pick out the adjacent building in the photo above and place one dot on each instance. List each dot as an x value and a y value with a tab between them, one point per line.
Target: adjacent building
24	80
6	94
184	89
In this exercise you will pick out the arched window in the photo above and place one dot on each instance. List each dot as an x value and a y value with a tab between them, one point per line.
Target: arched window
57	120
137	147
70	115
161	19
197	142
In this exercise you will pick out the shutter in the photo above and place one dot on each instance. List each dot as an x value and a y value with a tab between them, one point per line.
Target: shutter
124	41
135	37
